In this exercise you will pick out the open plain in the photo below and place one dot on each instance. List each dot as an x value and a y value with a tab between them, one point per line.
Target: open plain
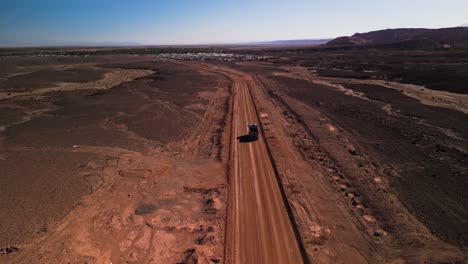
112	158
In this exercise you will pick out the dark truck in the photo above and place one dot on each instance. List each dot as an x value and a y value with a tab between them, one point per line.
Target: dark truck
252	130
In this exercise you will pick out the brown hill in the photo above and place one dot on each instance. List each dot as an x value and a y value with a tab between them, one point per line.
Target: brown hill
426	37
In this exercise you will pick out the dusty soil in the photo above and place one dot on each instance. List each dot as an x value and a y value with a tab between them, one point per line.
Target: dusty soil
435	69
346	198
132	159
126	163
387	154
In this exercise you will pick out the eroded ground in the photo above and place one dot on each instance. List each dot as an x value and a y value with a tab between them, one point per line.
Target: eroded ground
398	161
110	160
126	158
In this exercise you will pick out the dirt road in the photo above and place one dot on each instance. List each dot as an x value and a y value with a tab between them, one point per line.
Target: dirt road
259	229
259	221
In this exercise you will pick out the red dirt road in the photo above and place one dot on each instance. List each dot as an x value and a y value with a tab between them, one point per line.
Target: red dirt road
262	231
259	229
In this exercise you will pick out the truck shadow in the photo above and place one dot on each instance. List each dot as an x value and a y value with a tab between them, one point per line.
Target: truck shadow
246	139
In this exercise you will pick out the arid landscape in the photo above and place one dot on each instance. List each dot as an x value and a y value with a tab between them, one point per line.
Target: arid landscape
114	158
141	155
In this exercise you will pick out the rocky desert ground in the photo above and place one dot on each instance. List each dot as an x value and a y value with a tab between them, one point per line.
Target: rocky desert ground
139	157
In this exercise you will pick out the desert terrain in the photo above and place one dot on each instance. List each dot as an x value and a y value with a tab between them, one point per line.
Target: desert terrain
99	165
142	155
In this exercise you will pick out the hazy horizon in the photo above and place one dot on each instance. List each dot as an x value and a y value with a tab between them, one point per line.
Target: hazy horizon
53	22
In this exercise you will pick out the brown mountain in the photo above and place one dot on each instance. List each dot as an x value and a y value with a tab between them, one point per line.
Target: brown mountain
403	36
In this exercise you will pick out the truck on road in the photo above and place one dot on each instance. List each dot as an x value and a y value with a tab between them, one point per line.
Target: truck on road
252	130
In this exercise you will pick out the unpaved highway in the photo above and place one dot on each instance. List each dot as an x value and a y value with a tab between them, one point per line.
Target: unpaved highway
259	229
262	231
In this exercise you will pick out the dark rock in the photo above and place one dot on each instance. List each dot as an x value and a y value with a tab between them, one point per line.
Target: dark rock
145	209
8	250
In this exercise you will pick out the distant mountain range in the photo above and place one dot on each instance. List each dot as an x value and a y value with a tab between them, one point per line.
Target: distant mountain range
406	37
401	37
46	43
293	42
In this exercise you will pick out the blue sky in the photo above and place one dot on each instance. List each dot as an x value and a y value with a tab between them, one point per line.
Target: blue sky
213	21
